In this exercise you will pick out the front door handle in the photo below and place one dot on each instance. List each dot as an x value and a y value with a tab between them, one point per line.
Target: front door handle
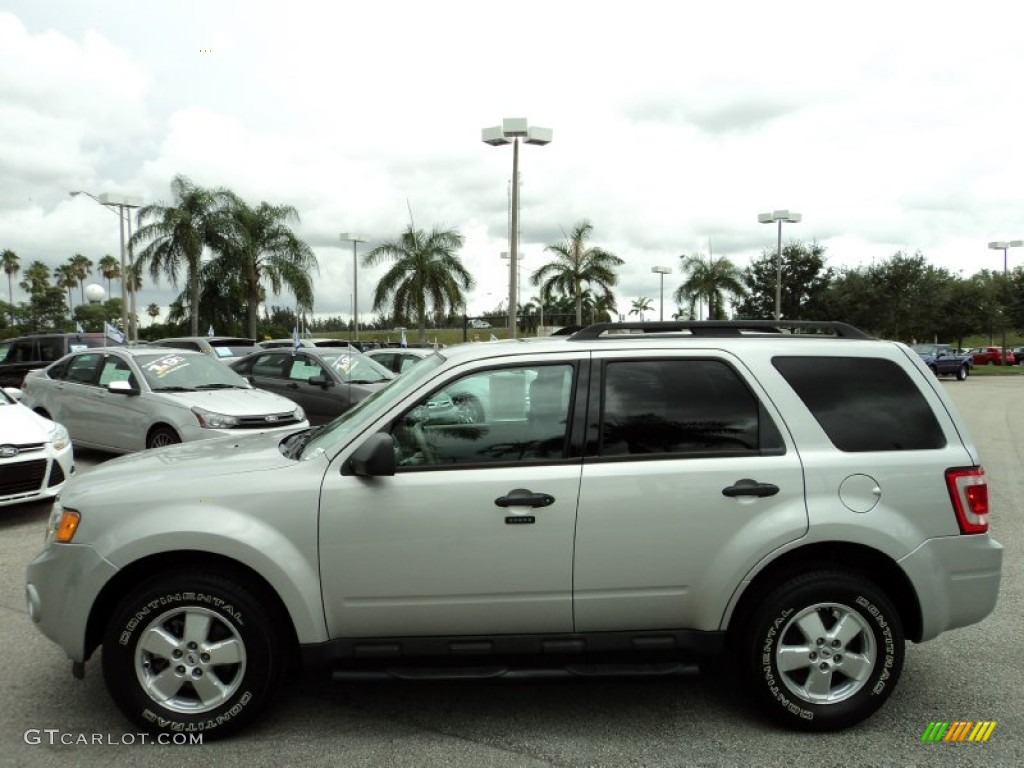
748	487
521	497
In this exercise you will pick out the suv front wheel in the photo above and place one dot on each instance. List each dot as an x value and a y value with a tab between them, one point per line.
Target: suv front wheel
192	654
824	650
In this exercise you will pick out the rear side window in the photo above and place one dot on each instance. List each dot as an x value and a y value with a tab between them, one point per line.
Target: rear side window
863	403
695	407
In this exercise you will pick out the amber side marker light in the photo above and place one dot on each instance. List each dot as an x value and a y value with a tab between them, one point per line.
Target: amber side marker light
65	529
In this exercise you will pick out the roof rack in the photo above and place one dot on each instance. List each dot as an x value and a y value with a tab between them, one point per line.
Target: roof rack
712	328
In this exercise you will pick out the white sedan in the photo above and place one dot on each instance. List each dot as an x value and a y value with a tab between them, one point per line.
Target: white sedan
123	399
35	453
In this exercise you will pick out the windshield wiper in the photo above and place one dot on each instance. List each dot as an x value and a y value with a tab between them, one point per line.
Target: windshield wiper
173	389
221	386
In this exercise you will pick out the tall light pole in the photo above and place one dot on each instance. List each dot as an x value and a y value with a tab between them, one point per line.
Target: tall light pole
662	271
769	218
123	205
355	240
1004	246
508	257
509	132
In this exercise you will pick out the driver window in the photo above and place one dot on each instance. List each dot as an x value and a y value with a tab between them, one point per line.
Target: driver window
303	370
505	415
116	369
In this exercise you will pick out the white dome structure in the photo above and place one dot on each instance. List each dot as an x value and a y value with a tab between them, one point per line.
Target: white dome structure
95	293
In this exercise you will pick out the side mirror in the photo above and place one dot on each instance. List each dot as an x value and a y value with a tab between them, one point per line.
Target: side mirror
374	458
122	388
319	381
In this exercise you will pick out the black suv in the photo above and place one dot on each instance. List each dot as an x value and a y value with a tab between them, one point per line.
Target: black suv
27	353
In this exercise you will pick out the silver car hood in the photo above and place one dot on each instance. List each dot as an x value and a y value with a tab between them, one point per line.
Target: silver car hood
179	467
233	402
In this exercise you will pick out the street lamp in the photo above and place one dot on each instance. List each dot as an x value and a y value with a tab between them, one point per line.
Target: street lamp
355	239
662	271
768	218
123	204
509	132
508	257
1004	246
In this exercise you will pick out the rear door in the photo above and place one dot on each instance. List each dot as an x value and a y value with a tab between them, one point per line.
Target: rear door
680	449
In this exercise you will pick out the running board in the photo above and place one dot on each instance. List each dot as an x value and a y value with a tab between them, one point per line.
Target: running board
669	669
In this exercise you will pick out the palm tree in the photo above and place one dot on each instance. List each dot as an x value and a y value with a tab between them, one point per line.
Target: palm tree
641	305
81	267
176	235
10	260
65	276
261	247
110	268
575	265
153	310
37	278
710	279
426	276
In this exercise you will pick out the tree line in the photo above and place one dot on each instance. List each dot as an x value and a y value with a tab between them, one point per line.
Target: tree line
230	254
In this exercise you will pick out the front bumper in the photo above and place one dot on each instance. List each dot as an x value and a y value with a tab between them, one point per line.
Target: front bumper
18	480
61	587
957	581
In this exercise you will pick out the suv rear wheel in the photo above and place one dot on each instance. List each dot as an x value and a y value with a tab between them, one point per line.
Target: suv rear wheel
823	650
192	654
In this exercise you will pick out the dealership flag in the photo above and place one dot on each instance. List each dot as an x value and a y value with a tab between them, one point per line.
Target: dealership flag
112	333
404	342
295	339
209	331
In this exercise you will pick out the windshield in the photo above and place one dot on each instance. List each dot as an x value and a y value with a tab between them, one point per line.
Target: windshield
185	372
353	367
371	407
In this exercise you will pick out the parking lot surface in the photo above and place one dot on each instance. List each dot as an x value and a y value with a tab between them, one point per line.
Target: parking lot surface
49	718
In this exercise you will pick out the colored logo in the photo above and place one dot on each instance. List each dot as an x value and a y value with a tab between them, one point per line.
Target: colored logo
959	730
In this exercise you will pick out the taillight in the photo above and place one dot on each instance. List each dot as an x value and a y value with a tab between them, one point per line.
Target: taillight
968	490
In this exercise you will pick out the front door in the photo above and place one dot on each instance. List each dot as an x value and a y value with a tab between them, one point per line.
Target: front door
431	550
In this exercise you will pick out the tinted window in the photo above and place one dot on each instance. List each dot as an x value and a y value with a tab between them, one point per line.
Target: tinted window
681	406
84	369
863	404
272	365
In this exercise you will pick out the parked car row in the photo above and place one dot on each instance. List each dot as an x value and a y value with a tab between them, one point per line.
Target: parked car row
992	356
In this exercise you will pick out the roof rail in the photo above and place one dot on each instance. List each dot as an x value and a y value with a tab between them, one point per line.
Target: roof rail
830	328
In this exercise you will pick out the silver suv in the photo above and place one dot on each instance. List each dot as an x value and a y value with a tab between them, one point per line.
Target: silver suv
798	500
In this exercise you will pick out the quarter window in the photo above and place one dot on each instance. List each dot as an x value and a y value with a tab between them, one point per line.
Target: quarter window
863	403
695	407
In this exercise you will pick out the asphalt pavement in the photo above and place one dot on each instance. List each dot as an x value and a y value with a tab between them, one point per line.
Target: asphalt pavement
47	718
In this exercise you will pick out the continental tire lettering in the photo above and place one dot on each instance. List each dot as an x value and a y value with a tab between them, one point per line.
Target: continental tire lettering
208	724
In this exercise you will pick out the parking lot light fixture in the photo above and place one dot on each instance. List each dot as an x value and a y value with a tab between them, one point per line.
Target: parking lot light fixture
662	271
1004	246
122	204
355	239
509	132
770	218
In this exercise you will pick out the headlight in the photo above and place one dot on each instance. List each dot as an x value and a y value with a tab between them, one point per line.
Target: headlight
210	420
299	414
59	437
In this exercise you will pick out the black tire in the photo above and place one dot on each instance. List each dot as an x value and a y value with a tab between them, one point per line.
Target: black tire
155	641
933	369
162	436
961	373
799	623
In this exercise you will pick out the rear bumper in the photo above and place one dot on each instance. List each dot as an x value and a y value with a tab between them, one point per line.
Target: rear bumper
957	581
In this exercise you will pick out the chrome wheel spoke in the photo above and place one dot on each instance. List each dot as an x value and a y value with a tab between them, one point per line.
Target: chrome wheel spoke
210	690
857	666
793	657
819	684
225	652
847	628
165	685
197	627
810	625
159	642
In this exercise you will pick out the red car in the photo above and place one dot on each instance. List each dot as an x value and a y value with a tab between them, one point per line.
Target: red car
992	356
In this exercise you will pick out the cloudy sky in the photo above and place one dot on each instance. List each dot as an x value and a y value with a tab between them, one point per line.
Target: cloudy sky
888	126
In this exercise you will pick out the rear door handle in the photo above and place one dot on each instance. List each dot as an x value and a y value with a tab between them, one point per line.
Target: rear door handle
521	497
748	487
